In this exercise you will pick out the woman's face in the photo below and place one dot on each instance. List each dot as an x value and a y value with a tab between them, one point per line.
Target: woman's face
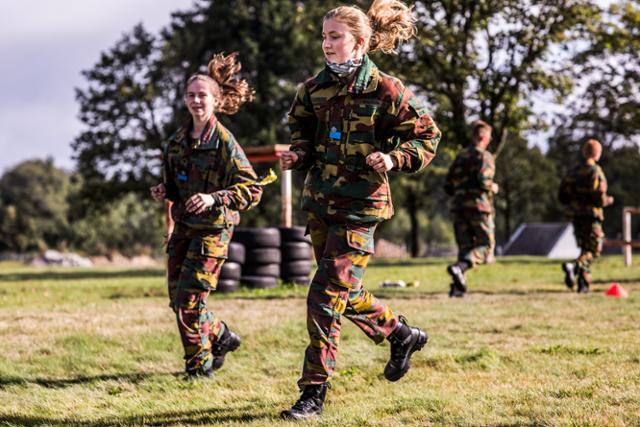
338	43
200	101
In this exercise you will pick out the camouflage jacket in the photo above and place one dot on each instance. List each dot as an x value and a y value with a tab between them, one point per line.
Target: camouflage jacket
214	164
470	179
584	190
335	125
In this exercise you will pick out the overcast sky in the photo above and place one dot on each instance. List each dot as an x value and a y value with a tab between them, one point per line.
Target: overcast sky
44	45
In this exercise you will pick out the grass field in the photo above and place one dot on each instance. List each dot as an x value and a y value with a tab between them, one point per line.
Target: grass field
100	347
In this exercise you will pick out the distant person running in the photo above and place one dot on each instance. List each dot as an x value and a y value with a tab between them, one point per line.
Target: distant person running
471	187
584	193
209	179
350	125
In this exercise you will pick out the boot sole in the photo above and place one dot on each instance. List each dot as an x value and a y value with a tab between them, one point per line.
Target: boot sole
422	340
292	416
233	347
567	277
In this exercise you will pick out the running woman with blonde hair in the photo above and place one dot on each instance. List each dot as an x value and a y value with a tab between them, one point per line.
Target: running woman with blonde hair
350	125
208	179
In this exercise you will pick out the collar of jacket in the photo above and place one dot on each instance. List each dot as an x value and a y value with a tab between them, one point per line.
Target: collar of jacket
208	137
367	77
590	161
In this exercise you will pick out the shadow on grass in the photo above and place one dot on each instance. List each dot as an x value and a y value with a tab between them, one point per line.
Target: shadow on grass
133	378
610	281
210	416
79	275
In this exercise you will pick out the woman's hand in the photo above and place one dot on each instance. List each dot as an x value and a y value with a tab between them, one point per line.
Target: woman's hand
380	162
198	203
287	159
158	192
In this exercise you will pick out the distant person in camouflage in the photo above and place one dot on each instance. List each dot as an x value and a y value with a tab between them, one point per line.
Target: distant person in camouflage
208	179
471	187
350	125
584	193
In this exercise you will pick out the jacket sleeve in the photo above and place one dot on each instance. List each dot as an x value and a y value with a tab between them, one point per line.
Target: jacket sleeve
599	181
487	172
171	189
416	133
302	124
240	191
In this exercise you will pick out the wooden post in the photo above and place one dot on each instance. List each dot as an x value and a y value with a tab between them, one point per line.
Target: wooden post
272	153
626	235
286	212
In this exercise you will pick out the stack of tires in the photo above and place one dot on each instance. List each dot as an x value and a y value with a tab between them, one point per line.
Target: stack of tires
297	255
231	271
261	268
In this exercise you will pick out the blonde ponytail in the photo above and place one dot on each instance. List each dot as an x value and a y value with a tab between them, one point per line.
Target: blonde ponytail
387	23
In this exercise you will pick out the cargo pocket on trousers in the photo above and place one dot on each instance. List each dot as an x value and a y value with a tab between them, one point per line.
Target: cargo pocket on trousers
361	238
205	258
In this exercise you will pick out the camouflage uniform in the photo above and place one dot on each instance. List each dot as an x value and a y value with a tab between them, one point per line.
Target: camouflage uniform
469	182
214	164
583	191
334	126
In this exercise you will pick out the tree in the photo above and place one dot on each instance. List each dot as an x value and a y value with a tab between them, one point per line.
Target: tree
528	187
134	95
33	206
608	108
489	60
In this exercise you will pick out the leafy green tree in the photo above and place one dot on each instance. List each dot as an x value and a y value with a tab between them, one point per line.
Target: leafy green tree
608	106
485	59
134	96
129	225
33	206
528	187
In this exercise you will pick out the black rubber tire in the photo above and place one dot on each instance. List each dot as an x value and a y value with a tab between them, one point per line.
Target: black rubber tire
269	270
226	286
259	282
298	280
263	256
294	234
267	237
296	251
296	268
230	271
236	253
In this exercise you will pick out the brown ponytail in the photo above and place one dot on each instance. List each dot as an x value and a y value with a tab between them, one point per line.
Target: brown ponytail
230	92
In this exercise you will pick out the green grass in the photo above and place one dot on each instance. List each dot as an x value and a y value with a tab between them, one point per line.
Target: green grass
99	347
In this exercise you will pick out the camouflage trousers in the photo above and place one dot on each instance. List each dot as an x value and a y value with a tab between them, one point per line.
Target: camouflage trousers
342	252
193	268
475	236
589	236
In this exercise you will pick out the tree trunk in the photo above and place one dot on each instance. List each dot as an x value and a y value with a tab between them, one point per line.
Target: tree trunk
415	227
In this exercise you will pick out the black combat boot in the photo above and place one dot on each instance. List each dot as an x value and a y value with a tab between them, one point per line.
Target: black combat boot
225	343
198	372
583	284
569	269
583	278
310	403
405	340
458	288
